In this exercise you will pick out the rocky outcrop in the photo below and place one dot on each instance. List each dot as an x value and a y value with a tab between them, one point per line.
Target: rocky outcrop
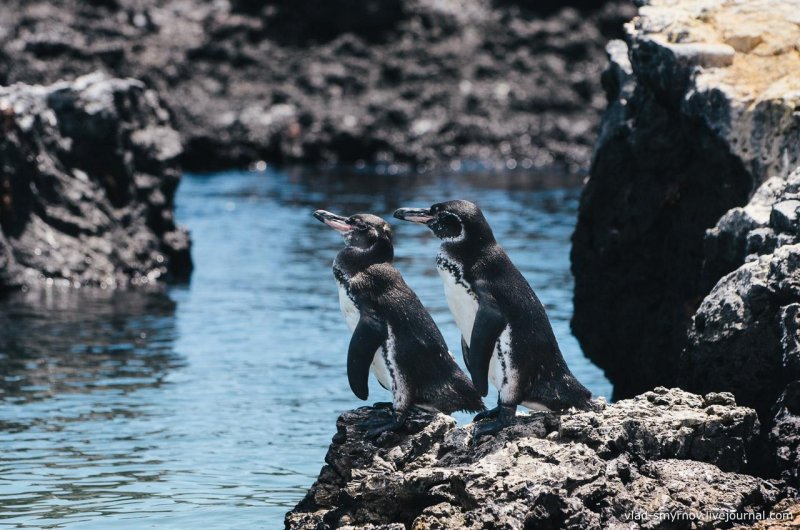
745	336
670	257
702	109
667	451
415	82
88	172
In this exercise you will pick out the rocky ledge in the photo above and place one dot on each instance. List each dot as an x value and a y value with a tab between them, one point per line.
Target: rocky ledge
664	452
686	255
88	172
402	82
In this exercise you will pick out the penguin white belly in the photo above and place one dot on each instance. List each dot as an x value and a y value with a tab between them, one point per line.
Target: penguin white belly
463	304
348	308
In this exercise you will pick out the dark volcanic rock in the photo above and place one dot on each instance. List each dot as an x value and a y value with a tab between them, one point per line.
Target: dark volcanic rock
737	337
579	470
784	435
769	220
88	172
388	81
303	22
669	257
745	337
701	110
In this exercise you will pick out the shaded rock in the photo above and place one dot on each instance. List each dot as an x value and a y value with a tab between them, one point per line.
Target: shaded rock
737	337
579	470
784	435
303	22
745	337
88	172
670	258
702	110
411	82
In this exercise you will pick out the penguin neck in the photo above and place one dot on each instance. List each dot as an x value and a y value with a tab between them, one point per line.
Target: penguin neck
355	259
469	249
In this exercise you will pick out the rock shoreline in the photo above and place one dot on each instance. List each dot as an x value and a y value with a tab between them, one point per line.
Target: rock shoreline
412	83
664	451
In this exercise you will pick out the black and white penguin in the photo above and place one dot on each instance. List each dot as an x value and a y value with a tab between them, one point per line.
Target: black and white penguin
506	335
394	337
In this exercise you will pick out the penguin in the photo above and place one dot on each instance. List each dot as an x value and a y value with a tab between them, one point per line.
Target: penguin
394	337
506	336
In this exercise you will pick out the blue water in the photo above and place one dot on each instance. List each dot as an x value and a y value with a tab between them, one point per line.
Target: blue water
213	404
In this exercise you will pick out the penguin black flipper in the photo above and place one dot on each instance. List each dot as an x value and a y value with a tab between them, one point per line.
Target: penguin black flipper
489	324
465	351
370	333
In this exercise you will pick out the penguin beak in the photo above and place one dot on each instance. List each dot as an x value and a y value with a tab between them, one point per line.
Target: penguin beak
415	215
337	222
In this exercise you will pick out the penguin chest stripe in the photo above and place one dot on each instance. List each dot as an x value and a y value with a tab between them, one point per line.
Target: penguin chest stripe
461	300
501	373
347	304
348	307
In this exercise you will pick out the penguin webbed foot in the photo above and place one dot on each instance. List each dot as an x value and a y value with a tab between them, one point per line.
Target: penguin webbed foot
487	414
503	418
383	405
377	427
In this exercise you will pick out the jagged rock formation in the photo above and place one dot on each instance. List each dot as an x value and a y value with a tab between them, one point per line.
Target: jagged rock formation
664	451
670	258
88	172
745	336
388	81
702	109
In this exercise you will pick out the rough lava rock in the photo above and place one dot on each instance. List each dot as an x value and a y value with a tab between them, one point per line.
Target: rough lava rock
88	172
395	82
669	256
745	336
664	451
737	337
769	220
703	102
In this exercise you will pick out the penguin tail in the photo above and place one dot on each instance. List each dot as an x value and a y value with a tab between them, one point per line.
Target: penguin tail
461	395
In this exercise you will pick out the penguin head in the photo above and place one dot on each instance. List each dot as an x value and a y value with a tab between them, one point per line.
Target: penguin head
451	221
361	232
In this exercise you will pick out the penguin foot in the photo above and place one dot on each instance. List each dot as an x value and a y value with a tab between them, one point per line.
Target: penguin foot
368	424
487	414
395	423
383	405
505	417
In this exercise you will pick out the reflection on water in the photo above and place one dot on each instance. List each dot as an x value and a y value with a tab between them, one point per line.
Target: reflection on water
213	404
58	342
